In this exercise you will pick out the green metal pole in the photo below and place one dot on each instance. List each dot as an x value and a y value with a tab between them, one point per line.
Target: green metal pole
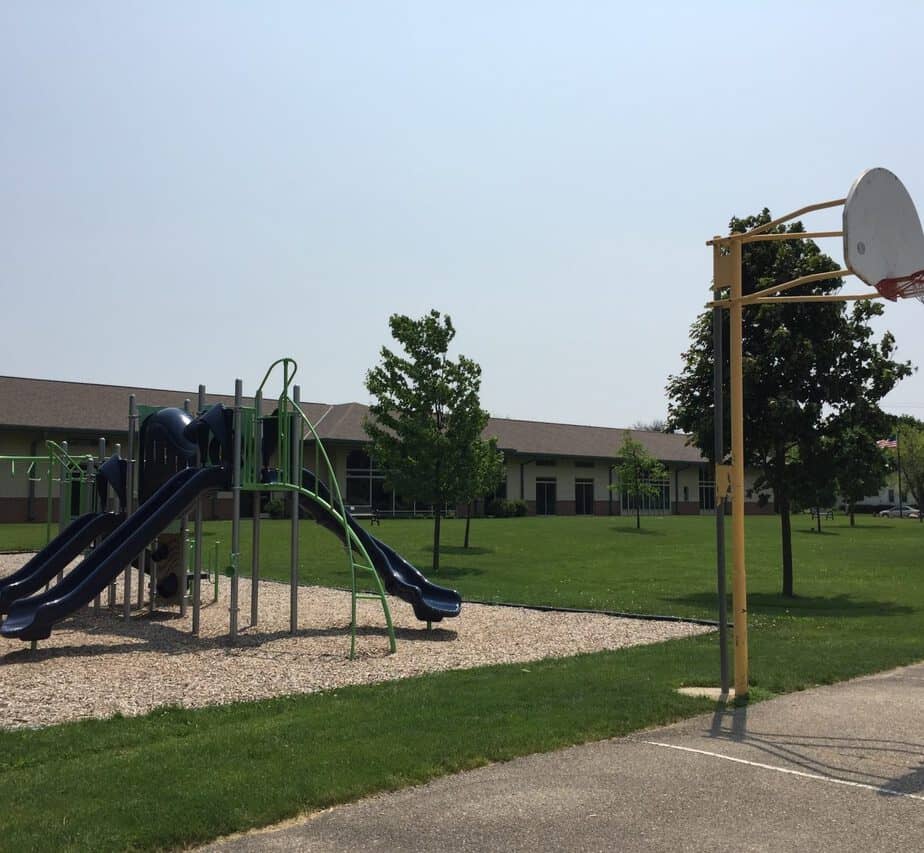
197	561
236	508
255	549
293	568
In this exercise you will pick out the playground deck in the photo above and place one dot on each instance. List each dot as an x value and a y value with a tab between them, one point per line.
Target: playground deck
97	666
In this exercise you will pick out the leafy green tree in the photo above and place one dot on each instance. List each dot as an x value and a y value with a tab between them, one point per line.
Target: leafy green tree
803	363
635	471
813	475
911	447
485	476
426	422
861	468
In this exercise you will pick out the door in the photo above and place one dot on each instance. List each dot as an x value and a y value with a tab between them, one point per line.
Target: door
583	497
545	496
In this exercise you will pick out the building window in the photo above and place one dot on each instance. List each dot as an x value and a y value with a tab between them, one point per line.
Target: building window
365	484
500	493
706	490
658	502
545	463
584	463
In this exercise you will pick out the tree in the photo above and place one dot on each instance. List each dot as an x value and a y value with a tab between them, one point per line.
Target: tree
813	475
657	425
635	471
426	422
485	476
803	364
860	466
910	434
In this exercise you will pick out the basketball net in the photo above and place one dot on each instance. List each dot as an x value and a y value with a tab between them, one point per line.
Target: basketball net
903	287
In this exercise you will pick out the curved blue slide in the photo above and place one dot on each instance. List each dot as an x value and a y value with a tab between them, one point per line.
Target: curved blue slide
431	602
33	618
56	555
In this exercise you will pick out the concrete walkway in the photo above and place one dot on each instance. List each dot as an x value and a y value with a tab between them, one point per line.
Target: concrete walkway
836	768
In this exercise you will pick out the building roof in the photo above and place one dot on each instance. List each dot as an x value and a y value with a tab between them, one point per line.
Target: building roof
552	439
87	407
81	407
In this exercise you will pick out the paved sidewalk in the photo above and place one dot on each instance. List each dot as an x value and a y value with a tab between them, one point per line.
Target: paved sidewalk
837	768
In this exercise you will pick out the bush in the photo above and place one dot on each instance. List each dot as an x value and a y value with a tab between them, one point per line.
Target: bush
276	508
500	508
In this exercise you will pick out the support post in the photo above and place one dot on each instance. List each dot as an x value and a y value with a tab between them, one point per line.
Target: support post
129	502
255	550
184	552
296	439
739	578
236	509
133	489
101	454
111	593
197	562
719	454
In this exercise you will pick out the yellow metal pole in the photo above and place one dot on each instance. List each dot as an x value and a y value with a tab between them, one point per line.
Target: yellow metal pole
739	577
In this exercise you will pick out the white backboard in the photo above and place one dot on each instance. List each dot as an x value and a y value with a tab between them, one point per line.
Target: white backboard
882	232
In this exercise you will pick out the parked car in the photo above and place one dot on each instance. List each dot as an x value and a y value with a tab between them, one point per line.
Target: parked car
905	512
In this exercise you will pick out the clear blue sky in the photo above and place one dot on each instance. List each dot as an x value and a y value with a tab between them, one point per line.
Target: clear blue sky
193	189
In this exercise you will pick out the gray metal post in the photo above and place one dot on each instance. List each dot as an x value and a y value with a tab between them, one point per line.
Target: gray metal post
236	508
111	594
197	567
296	472
719	452
184	553
255	550
184	564
104	507
133	490
129	499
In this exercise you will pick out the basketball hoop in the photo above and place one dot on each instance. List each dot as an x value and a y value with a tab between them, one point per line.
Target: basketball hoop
903	287
883	238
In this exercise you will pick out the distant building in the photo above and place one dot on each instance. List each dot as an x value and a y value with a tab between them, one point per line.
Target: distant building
556	468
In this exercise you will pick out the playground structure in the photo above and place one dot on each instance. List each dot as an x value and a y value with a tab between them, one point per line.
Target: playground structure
74	476
884	248
174	459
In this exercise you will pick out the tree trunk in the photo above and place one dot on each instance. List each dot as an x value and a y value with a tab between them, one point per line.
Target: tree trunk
852	511
818	516
786	535
437	517
468	521
638	514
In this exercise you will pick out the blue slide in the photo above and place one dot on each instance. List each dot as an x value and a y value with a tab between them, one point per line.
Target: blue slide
33	618
431	602
56	555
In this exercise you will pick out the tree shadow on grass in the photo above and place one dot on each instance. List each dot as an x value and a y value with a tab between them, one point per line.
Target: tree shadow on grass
775	605
458	549
449	572
637	531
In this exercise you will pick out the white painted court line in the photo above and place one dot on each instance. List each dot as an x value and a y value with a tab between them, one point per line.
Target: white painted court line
890	791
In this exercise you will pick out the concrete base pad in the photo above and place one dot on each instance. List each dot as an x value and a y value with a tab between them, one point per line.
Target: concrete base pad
714	693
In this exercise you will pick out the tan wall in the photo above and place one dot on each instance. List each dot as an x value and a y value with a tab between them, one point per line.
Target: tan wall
687	478
564	472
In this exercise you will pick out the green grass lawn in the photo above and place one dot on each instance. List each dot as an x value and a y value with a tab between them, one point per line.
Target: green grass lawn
860	608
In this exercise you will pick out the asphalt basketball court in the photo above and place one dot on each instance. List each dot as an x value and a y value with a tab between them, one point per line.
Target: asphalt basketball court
834	768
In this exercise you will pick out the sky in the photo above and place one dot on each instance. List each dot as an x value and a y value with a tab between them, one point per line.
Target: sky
192	190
